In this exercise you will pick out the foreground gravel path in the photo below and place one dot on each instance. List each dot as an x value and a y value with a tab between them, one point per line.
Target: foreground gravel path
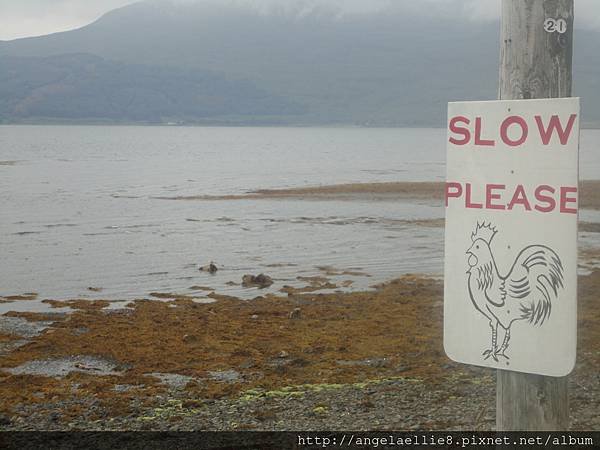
463	401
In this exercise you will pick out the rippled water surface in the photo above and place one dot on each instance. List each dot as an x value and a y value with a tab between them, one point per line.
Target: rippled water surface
79	207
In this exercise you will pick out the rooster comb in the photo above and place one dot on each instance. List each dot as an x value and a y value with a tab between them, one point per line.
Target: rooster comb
484	231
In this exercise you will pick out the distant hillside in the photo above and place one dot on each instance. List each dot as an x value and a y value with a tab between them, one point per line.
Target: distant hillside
82	87
317	68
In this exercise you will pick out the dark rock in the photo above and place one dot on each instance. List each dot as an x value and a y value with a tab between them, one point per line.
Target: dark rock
4	420
261	281
210	268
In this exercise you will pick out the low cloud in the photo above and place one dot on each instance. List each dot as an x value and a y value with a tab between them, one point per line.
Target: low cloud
20	18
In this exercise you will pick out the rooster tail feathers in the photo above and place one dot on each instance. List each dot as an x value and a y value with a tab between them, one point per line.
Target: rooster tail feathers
543	263
540	307
555	275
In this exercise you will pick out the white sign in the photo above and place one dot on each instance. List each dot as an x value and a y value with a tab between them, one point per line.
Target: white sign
510	291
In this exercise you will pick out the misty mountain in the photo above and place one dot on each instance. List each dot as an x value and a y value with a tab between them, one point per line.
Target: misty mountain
83	87
315	67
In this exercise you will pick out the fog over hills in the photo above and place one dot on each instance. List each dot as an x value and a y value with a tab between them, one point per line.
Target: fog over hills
208	63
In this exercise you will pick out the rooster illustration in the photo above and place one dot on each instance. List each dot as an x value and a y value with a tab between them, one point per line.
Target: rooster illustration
525	294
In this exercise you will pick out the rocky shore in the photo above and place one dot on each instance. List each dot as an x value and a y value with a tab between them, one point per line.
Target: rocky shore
306	361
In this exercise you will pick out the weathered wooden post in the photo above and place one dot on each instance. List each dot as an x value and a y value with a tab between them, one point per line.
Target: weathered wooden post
535	62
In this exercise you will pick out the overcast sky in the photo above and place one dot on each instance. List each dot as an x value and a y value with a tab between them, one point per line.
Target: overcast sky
21	18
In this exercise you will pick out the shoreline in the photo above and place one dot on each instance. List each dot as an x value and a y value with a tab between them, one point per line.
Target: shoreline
294	280
403	190
358	360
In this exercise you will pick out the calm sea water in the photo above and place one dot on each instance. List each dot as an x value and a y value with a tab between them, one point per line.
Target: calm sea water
79	207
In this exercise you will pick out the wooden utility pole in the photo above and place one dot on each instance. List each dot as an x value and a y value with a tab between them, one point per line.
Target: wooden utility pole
535	62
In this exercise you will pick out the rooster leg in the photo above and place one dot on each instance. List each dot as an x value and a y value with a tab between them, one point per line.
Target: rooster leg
504	345
494	349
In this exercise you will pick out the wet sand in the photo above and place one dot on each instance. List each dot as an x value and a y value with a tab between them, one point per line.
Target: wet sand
122	369
434	191
354	191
